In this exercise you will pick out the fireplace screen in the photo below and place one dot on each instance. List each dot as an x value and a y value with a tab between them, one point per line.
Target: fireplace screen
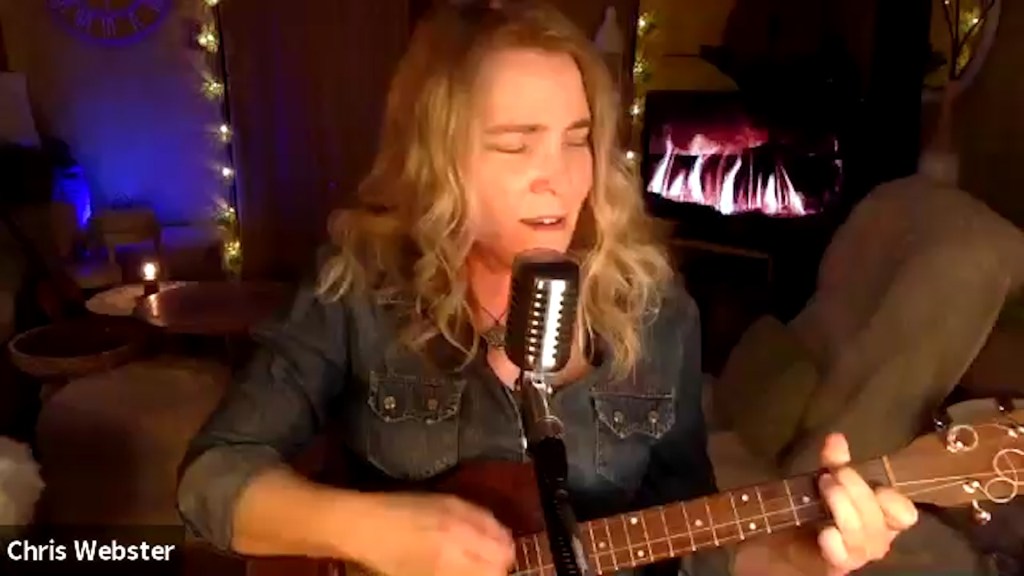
709	148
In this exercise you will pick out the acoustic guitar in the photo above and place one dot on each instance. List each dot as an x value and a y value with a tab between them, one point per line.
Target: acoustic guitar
977	462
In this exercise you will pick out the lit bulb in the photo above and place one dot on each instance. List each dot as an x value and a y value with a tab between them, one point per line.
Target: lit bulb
630	156
213	89
149	271
636	109
207	38
226	172
224	131
212	3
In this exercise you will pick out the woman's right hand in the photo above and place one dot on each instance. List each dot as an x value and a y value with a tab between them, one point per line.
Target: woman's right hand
429	535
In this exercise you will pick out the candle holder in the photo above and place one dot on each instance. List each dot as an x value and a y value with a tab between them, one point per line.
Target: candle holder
150	278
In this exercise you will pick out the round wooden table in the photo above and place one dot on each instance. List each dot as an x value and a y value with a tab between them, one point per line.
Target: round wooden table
213	308
58	352
122	300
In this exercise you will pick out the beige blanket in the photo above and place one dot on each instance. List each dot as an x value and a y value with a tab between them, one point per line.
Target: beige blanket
908	292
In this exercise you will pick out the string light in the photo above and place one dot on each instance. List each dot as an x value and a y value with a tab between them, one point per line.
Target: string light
646	24
964	19
215	88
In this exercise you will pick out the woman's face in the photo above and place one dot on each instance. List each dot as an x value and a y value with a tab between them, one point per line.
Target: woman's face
530	164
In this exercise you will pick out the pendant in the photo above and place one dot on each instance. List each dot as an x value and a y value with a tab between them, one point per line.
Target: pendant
495	336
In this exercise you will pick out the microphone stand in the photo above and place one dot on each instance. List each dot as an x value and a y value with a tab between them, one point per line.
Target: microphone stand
546	448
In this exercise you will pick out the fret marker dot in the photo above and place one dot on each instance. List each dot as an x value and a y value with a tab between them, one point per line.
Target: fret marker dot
752	526
633	520
698	523
744	498
806	499
640	553
601	545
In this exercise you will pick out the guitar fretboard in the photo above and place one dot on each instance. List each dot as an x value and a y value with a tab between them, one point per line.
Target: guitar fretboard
676	530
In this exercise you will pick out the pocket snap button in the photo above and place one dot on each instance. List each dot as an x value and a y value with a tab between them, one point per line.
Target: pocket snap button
432	404
653	416
618	417
389	403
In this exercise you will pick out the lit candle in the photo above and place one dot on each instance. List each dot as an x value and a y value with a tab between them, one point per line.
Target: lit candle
150	272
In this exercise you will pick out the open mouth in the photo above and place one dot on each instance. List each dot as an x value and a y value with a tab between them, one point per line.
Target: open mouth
545	222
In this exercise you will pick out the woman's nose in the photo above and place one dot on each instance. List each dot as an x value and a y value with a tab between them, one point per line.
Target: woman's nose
550	171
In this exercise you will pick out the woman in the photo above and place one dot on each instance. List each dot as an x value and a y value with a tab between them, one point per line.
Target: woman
499	136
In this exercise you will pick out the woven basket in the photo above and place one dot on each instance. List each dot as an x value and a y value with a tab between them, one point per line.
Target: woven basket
78	347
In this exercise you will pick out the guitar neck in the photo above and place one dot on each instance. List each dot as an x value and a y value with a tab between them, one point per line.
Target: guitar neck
679	529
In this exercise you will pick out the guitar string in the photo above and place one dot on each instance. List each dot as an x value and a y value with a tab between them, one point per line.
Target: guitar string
998	473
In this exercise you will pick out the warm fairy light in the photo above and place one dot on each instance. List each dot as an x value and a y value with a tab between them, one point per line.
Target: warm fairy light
214	88
150	270
207	38
646	24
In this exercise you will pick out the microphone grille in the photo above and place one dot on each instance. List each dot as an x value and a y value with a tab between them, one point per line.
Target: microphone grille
542	310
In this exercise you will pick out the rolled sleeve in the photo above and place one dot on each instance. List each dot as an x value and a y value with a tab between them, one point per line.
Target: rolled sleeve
272	410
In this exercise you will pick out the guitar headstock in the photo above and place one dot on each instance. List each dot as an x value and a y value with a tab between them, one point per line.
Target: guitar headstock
975	457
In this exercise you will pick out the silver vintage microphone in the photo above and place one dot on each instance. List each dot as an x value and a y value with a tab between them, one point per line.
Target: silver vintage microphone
538	339
539	330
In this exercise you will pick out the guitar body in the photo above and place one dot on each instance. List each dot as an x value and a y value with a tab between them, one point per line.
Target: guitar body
508	489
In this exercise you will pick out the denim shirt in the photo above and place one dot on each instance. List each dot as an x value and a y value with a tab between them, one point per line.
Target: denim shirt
633	442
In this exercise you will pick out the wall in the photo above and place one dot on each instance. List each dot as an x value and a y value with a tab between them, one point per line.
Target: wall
132	115
989	119
682	27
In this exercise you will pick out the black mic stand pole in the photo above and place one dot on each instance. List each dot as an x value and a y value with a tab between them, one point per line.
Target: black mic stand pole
546	448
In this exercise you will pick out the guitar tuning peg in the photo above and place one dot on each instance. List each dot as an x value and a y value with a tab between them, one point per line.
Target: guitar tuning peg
981	516
941	420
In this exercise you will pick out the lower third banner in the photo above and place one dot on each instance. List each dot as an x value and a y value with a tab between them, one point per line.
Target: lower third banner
92	551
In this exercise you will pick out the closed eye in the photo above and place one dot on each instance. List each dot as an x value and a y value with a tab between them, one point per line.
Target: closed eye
508	148
578	138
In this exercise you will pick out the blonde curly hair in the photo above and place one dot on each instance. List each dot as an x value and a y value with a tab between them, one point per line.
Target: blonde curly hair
409	233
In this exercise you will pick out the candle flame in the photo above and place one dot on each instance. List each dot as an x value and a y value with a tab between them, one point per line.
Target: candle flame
149	271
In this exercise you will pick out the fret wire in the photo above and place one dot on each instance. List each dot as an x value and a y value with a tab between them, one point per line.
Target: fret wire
711	520
792	504
736	514
593	546
689	527
764	511
629	541
647	536
526	553
540	557
668	533
611	546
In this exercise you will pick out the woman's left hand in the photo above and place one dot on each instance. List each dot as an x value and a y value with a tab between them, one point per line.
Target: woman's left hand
865	520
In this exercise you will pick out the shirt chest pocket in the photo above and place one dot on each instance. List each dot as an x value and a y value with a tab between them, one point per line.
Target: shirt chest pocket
627	427
412	426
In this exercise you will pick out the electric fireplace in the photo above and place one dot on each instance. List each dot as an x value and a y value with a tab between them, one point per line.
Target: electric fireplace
713	149
751	188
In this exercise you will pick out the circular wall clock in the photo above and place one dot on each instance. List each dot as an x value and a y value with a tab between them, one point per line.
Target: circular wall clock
110	21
